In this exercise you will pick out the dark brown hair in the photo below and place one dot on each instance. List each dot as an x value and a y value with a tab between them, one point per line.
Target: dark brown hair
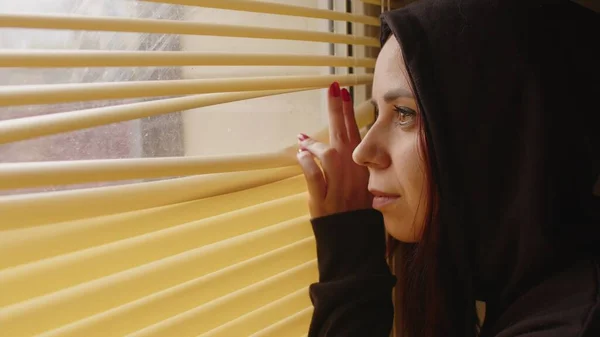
419	296
429	301
421	301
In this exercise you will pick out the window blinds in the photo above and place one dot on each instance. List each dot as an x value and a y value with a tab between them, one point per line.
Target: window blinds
215	245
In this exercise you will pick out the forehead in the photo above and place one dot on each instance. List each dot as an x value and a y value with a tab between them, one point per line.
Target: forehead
390	72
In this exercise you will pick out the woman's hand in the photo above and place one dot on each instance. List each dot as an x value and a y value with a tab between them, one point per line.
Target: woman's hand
341	185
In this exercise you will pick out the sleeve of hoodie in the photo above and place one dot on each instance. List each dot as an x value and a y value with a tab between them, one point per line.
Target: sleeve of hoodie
354	294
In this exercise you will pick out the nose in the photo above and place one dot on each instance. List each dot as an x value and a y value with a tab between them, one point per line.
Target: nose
371	152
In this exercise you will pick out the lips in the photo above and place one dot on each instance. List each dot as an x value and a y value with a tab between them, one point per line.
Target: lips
383	199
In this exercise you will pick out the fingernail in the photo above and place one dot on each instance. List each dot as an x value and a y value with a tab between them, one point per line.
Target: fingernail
345	95
302	137
300	150
334	89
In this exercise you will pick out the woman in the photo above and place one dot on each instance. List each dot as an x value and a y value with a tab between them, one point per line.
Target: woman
479	167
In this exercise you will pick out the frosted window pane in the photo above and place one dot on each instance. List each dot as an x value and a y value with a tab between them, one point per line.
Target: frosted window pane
150	137
256	125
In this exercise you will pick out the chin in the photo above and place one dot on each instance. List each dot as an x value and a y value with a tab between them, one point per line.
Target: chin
403	231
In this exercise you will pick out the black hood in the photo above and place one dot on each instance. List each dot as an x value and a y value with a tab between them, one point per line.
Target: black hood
509	91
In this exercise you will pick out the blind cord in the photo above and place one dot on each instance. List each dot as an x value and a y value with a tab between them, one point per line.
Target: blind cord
385	8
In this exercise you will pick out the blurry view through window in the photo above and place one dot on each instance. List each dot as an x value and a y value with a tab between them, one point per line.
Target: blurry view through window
257	125
149	137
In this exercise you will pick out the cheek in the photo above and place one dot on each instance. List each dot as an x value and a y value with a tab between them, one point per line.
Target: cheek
406	223
409	170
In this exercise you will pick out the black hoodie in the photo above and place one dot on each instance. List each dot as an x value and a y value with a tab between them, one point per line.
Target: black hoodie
509	92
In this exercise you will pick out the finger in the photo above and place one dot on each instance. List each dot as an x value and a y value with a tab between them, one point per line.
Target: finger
330	161
337	126
350	118
325	153
315	181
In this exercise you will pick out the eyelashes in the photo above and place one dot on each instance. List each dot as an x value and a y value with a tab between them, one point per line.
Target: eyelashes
404	115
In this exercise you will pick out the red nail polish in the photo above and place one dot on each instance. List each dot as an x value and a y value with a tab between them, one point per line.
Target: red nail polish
334	89
345	95
302	136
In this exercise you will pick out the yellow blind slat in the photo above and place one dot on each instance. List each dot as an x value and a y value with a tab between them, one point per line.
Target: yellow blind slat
44	125
22	175
168	303
78	22
263	317
84	171
48	275
61	93
93	202
71	304
294	325
30	127
275	8
200	320
374	2
32	244
99	58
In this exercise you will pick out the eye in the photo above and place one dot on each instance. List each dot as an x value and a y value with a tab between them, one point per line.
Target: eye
405	116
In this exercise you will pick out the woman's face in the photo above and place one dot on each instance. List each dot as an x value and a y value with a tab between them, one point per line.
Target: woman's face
390	149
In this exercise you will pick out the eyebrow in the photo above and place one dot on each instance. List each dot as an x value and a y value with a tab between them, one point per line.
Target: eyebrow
393	94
